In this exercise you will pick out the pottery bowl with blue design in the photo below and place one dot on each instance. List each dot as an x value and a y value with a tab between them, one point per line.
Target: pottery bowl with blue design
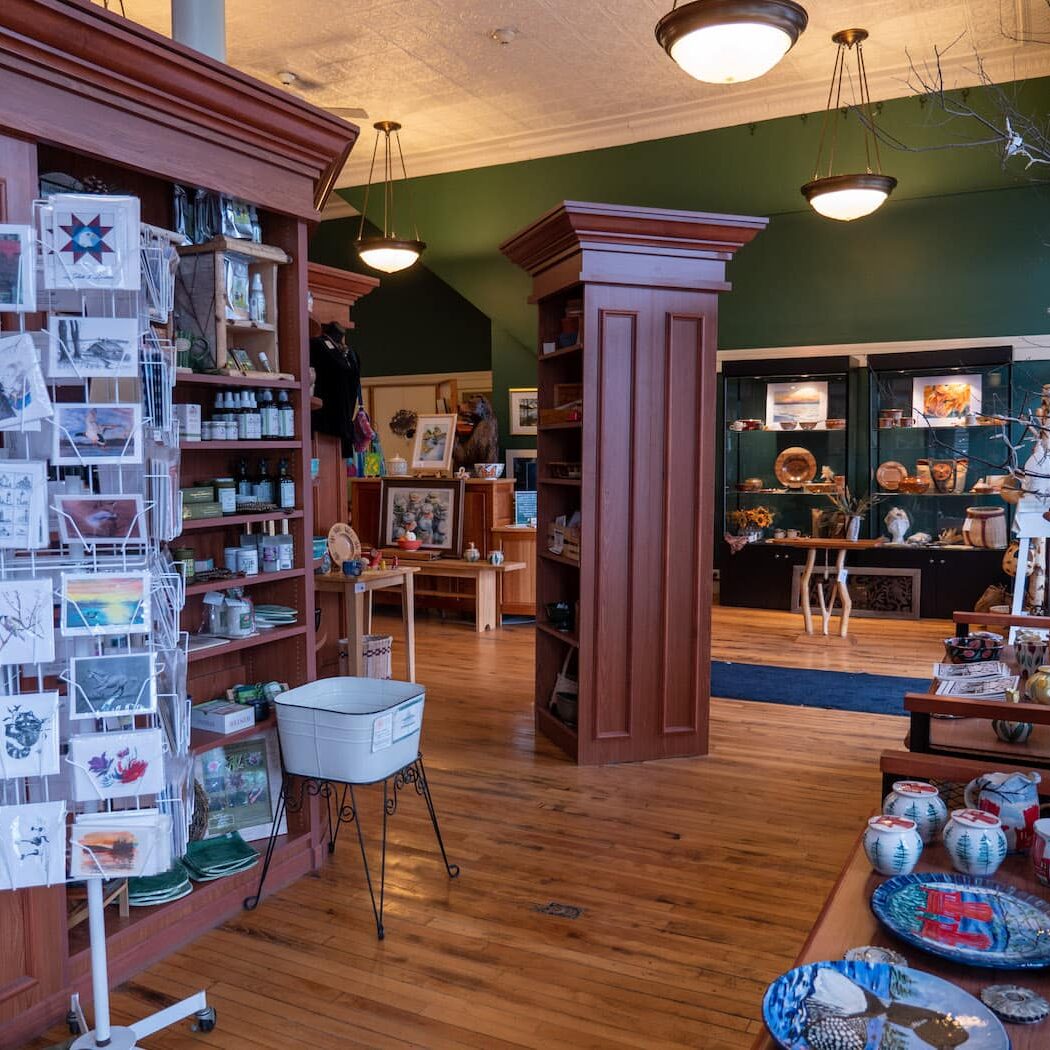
973	648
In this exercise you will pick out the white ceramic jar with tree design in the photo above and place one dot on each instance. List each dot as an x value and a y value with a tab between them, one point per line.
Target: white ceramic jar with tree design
920	802
892	844
975	841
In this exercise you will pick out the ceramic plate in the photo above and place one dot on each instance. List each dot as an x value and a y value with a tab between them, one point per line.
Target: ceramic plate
965	919
890	473
795	466
855	1005
343	543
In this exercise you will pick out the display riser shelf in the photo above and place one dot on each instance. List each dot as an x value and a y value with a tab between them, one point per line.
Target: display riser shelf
236	520
188	379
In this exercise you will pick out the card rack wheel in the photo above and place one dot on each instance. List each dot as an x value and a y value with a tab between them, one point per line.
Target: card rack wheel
73	1023
204	1020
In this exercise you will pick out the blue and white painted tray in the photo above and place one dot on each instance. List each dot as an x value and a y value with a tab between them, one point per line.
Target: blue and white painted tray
854	1006
965	919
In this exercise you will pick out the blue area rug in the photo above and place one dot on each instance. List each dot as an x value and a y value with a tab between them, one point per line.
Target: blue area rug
878	694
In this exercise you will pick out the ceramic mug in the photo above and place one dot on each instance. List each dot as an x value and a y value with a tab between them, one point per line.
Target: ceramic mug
1041	850
791	534
778	534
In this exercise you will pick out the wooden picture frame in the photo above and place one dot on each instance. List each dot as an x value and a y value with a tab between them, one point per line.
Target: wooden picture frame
434	443
524	411
420	500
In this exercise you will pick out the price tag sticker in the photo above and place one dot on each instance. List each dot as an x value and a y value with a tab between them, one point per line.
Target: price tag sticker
382	731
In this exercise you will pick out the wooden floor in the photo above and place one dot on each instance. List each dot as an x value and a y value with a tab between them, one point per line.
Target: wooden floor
697	879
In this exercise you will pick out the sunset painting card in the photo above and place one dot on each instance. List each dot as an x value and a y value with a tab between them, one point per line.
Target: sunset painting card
96	603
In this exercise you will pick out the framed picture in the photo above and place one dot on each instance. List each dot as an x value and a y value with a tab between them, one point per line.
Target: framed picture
433	510
95	603
17	269
945	401
27	632
86	435
103	519
524	410
802	402
23	507
91	241
116	765
92	347
120	845
32	845
30	726
243	782
434	443
121	684
23	391
516	456
240	359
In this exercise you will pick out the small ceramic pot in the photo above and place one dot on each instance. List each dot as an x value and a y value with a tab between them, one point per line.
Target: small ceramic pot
471	553
975	841
778	534
1038	685
974	648
921	802
788	424
396	466
1041	850
496	558
892	844
1030	651
791	534
1012	732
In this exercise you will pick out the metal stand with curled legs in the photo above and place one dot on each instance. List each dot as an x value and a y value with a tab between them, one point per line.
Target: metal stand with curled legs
296	790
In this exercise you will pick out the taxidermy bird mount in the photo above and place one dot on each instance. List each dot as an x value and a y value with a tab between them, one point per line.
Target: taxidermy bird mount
477	434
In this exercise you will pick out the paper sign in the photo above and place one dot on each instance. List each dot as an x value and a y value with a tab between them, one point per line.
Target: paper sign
843	575
408	719
382	731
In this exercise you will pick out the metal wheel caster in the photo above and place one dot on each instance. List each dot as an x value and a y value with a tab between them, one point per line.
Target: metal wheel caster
204	1020
73	1023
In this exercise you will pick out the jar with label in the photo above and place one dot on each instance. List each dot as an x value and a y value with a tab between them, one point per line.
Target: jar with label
285	551
229	558
226	488
240	615
248	561
184	558
269	554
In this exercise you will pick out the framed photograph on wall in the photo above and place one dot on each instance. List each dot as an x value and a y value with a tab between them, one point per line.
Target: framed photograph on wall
434	443
17	269
516	456
945	401
802	402
431	509
524	410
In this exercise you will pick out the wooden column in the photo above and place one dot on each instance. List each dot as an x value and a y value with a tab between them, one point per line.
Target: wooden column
649	282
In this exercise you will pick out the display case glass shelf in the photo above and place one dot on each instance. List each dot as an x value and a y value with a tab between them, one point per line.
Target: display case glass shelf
792	446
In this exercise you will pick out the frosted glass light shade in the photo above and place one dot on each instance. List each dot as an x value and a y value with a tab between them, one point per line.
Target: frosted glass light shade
730	41
389	255
848	197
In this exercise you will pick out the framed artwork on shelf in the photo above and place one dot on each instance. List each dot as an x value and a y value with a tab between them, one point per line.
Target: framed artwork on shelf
23	391
32	845
27	633
120	684
802	402
243	782
92	347
431	509
524	410
23	507
98	603
116	765
30	727
114	519
87	435
17	269
434	443
514	457
945	401
91	241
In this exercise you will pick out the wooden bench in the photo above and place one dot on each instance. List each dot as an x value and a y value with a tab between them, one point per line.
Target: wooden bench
487	584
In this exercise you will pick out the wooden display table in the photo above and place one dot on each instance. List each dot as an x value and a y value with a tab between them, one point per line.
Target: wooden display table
847	921
487	579
353	589
827	605
517	595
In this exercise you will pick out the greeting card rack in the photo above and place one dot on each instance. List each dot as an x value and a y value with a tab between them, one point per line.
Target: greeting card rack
89	95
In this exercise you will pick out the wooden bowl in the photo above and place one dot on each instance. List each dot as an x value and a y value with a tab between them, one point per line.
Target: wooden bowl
913	485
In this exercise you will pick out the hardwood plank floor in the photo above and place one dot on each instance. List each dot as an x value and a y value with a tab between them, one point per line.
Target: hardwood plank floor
697	879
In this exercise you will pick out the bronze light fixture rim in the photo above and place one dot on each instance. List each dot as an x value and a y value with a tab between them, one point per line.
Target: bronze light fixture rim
786	15
868	180
367	243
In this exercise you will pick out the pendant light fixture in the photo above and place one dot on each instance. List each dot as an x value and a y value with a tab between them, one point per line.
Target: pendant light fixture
389	252
848	197
728	41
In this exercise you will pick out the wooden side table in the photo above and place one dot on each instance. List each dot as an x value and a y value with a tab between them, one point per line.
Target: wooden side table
485	576
827	602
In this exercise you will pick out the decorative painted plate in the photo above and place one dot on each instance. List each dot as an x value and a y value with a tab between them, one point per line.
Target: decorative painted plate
795	466
890	474
343	543
968	920
854	1005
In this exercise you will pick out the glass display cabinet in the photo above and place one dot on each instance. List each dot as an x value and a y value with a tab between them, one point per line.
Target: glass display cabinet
938	457
786	444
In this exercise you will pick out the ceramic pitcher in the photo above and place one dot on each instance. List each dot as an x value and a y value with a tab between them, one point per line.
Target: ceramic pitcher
920	802
975	841
1013	798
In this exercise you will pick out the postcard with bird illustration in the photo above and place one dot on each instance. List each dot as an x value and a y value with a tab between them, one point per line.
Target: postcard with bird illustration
32	845
96	433
27	622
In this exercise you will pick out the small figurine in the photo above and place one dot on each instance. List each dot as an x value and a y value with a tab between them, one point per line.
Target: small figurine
897	523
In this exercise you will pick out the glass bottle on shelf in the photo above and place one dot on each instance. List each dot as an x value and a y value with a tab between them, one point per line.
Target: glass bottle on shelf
287	414
264	483
257	301
254	418
241	417
271	421
245	487
286	486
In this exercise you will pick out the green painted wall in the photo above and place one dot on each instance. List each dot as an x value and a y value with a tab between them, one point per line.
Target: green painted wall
413	322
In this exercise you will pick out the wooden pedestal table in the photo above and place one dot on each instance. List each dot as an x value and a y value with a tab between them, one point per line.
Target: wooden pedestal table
848	922
827	601
353	590
487	584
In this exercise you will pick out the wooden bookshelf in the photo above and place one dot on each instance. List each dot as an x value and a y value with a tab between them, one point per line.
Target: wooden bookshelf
114	101
645	357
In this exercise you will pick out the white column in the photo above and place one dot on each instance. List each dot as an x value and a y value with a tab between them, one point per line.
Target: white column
200	24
